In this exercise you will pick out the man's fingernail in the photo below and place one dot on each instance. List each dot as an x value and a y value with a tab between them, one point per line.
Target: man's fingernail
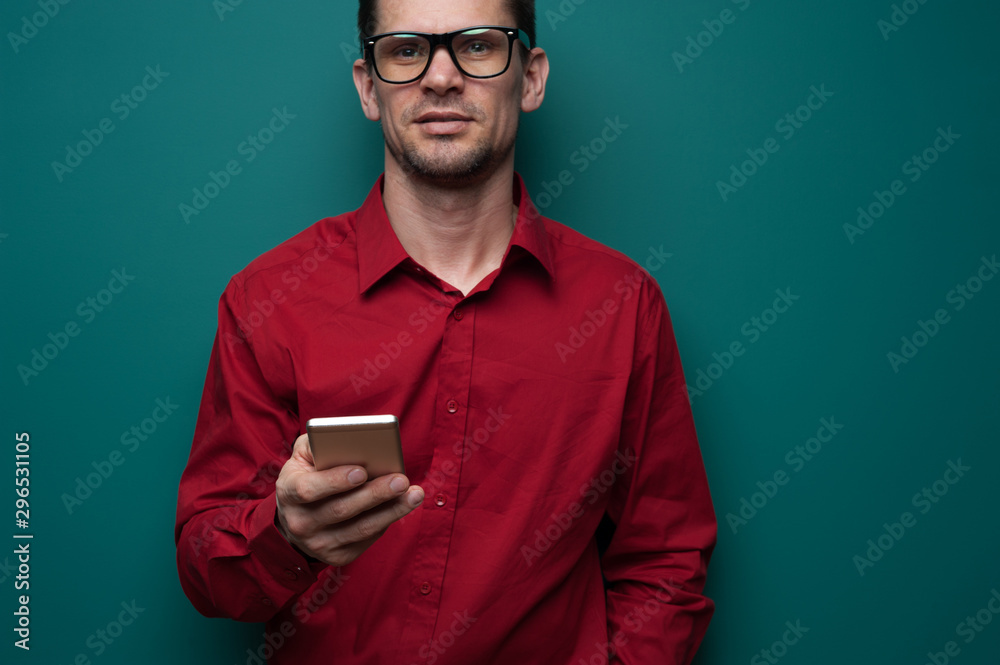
415	498
397	485
356	476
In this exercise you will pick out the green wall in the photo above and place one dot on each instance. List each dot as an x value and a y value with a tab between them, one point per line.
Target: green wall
687	115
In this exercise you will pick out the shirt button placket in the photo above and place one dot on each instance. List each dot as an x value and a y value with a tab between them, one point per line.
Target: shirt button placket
452	399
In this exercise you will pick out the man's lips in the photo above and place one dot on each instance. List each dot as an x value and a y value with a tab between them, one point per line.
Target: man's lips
443	123
442	116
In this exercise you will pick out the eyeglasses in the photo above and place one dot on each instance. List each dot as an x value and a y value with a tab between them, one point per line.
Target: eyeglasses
480	52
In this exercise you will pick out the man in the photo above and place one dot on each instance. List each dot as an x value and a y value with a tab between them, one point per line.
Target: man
534	373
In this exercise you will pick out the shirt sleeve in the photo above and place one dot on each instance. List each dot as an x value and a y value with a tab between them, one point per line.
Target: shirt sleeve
665	525
232	560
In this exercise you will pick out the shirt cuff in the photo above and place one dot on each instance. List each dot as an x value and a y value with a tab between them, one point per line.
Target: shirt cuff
288	567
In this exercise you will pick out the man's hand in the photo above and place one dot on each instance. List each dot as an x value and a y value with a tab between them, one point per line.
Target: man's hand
331	515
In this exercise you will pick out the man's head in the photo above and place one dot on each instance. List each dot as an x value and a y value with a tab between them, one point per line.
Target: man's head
448	128
523	12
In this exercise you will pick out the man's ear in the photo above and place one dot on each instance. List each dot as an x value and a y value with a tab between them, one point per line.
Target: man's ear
536	73
365	84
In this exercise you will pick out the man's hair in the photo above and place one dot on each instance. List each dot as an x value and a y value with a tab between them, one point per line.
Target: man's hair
523	11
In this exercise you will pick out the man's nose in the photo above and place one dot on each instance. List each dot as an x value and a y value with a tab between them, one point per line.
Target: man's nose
442	74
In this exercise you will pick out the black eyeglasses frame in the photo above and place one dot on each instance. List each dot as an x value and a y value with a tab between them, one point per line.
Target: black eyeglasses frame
445	39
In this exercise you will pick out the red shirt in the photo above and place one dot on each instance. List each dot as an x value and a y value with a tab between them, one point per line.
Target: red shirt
549	396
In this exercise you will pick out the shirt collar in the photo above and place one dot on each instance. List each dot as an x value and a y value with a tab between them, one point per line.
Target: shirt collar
379	250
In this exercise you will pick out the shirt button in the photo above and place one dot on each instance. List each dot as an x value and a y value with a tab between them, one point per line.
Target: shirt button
266	601
452	406
440	500
459	314
425	588
290	574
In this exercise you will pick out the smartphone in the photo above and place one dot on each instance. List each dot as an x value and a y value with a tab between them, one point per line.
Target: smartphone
371	442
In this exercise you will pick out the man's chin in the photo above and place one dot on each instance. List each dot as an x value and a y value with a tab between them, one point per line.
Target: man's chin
448	178
450	170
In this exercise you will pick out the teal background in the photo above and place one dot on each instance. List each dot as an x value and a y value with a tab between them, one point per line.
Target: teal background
654	186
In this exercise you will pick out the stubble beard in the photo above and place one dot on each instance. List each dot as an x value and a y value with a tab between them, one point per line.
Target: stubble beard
451	167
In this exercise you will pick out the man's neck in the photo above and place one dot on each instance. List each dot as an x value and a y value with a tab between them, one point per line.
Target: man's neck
459	234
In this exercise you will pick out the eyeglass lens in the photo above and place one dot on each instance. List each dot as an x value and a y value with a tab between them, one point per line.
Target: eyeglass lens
480	52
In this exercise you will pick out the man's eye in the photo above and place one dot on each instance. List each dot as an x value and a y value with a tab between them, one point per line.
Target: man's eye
479	48
407	52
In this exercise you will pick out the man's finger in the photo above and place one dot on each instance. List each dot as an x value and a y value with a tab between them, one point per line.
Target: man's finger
301	449
372	523
348	505
305	486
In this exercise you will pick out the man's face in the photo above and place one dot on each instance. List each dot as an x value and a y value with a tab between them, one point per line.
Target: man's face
446	127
